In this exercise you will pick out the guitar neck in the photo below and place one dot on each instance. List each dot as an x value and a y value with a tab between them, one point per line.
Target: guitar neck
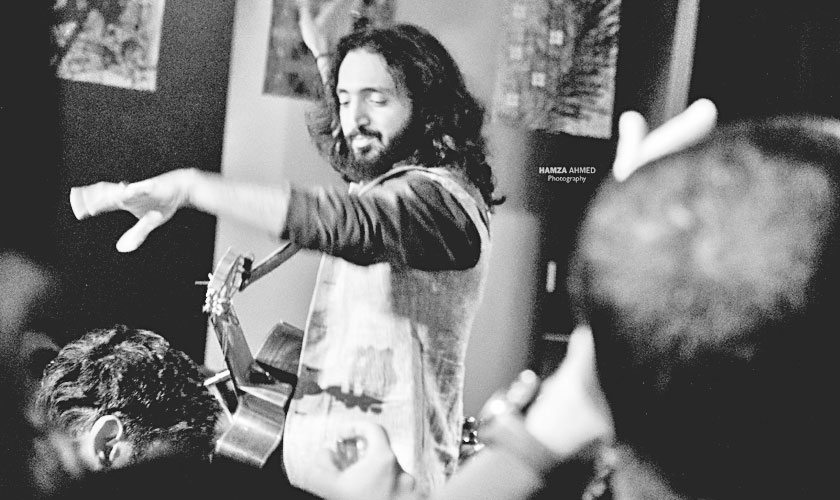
234	346
270	263
264	385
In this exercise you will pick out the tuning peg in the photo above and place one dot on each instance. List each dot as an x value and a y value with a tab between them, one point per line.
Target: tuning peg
205	283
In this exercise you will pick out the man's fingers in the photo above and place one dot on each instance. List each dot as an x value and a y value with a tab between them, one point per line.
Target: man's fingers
136	190
632	129
363	429
636	147
87	201
571	416
680	132
77	203
135	236
578	365
364	437
304	10
332	8
405	485
581	347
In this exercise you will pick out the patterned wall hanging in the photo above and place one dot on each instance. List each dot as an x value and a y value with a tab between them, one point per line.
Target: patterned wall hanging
109	42
291	69
557	70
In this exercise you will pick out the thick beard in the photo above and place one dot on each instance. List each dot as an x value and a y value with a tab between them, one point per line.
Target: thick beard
360	170
354	169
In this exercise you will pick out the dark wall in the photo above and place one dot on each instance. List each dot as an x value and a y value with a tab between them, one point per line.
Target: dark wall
28	132
29	147
114	134
644	47
560	206
755	58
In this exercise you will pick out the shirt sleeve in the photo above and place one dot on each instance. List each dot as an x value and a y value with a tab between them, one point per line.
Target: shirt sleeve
409	220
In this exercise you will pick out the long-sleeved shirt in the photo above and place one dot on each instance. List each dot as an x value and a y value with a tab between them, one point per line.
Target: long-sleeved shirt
407	220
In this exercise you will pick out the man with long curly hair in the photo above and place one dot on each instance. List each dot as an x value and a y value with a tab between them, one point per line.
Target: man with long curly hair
406	248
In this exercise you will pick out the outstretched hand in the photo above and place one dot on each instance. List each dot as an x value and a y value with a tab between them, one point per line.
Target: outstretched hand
636	146
153	201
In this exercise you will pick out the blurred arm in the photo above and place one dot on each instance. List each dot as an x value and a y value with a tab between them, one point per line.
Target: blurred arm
154	201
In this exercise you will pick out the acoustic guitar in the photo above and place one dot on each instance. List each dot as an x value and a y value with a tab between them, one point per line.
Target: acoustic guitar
263	385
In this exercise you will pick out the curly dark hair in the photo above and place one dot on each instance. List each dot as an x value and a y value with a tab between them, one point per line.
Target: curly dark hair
155	390
447	117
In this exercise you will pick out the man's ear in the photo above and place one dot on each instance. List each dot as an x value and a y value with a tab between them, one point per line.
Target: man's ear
109	447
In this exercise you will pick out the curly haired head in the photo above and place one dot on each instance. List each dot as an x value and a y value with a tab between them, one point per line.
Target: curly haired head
446	121
156	391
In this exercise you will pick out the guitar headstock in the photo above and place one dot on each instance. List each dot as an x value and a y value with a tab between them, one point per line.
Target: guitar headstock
229	274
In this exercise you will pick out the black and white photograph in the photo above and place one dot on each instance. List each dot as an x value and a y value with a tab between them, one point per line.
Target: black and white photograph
419	250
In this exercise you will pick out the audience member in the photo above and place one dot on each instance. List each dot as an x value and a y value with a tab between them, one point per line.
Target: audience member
709	280
24	285
125	395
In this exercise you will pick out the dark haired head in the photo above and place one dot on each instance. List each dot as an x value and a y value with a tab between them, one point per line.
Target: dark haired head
156	391
709	278
446	123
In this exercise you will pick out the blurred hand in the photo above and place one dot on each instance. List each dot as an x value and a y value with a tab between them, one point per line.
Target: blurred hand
636	146
372	474
570	416
321	33
153	201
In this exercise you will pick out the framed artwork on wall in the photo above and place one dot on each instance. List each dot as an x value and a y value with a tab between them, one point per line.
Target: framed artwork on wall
109	42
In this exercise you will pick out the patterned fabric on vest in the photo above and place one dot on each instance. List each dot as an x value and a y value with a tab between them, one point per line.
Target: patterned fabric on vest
387	344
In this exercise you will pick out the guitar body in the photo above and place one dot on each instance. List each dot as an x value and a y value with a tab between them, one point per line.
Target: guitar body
280	352
255	432
264	385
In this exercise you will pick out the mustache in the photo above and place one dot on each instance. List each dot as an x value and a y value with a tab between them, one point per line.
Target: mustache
364	131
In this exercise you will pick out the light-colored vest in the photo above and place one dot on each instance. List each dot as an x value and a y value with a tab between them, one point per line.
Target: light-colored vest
386	343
